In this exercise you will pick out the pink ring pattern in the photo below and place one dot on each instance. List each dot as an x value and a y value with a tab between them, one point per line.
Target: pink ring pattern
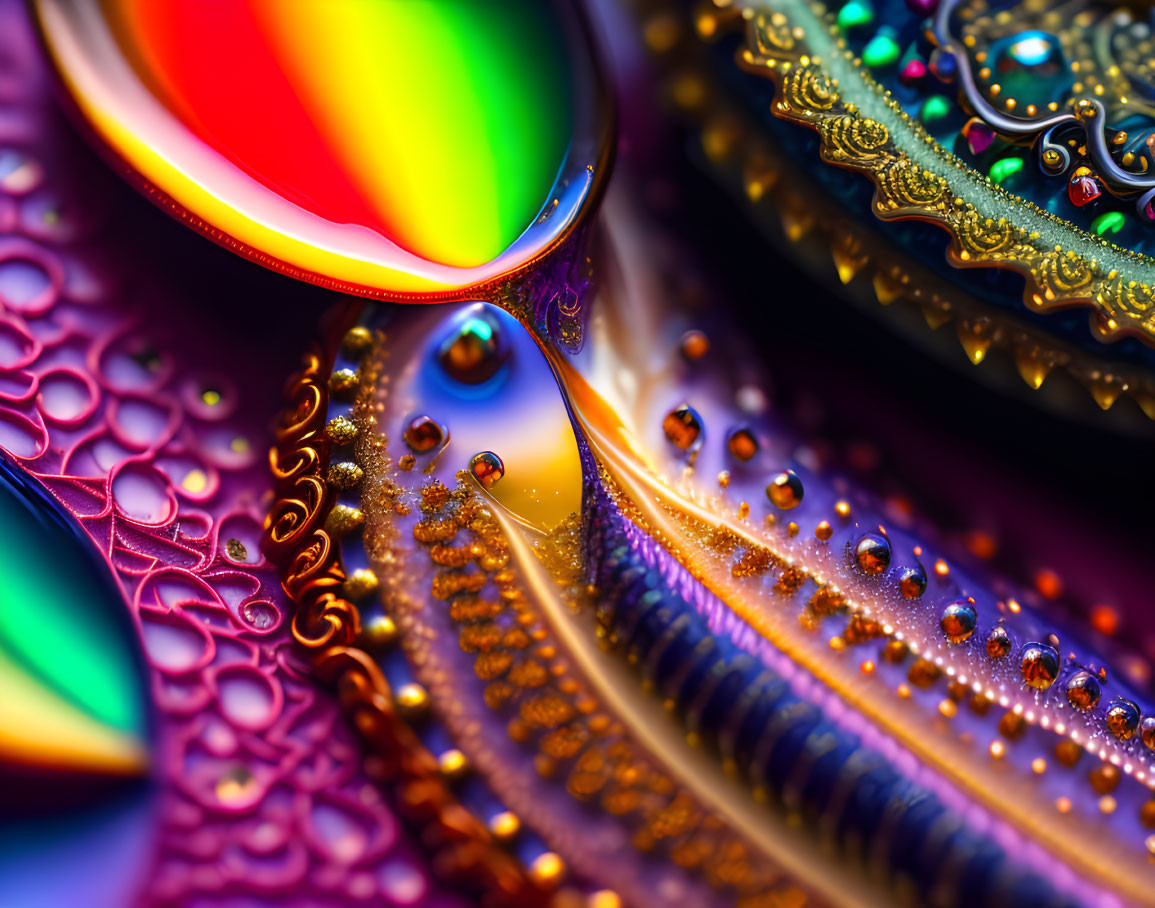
261	786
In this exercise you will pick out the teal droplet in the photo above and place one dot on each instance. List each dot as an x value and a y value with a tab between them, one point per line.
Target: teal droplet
855	14
1005	168
934	108
882	50
1108	222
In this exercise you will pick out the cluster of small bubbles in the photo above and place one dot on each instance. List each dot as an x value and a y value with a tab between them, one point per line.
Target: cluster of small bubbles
474	350
872	554
785	490
423	435
683	427
958	621
1084	690
1040	665
487	468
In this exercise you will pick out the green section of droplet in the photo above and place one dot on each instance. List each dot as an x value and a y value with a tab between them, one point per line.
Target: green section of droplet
855	14
61	619
881	51
934	108
1108	222
1005	168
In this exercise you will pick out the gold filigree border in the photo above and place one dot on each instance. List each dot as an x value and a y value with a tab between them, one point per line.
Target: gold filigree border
1057	277
328	626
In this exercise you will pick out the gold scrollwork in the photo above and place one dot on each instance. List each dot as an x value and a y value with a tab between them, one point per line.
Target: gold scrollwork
776	50
328	626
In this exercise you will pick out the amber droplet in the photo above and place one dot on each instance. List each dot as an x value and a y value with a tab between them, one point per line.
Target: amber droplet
872	554
1084	691
1147	732
695	344
923	673
1040	665
1012	726
356	342
958	621
742	444
683	427
912	583
824	531
487	468
998	643
785	490
423	435
1104	778
475	350
1123	719
1067	752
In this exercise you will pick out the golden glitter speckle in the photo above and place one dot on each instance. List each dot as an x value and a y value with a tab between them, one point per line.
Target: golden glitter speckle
948	708
380	631
998	749
453	763
1038	766
407	462
903	691
1063	805
724	479
360	584
547	869
605	898
505	825
412	699
941	568
1108	804
842	509
866	667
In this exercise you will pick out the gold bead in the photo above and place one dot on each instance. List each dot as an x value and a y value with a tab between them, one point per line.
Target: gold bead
343	520
361	584
345	475
341	430
357	342
343	383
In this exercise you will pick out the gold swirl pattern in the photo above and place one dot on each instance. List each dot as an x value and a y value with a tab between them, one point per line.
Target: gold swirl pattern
328	626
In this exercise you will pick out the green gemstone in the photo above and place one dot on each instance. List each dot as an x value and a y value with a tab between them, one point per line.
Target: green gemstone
934	108
1005	168
1108	222
855	14
882	51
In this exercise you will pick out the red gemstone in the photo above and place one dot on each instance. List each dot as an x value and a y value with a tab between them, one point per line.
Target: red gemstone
1083	190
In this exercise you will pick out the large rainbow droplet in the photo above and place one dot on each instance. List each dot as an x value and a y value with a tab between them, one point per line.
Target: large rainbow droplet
395	147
